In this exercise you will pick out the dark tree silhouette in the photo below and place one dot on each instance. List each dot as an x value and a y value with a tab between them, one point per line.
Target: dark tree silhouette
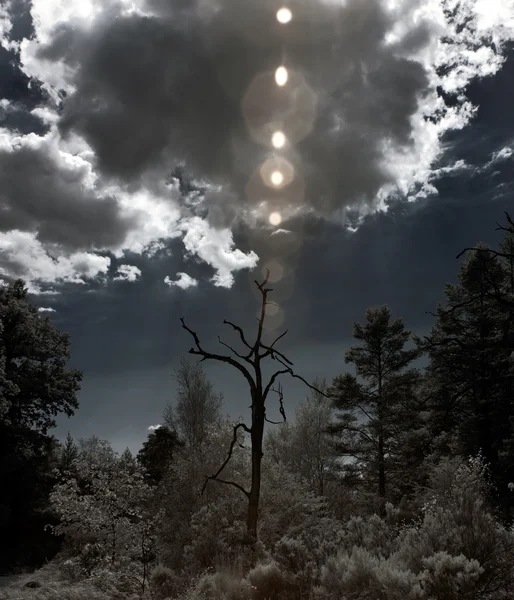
35	386
158	452
249	364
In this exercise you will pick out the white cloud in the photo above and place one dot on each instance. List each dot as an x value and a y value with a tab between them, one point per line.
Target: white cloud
128	273
43	309
216	248
184	281
154	427
22	255
501	155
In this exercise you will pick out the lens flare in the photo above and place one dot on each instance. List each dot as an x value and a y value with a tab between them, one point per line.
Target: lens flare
278	139
275	219
284	15
281	76
277	178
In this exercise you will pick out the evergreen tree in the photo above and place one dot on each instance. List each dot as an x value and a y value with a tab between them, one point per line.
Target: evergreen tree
158	452
35	386
69	452
377	409
469	360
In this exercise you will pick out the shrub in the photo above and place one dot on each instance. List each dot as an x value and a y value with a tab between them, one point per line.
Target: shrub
269	581
363	576
449	577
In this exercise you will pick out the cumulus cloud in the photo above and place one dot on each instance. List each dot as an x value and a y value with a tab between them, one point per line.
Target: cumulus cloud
215	247
154	427
128	273
43	309
140	87
184	281
55	195
23	255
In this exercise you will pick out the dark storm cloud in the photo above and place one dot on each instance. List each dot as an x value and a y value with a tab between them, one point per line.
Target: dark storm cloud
39	194
168	88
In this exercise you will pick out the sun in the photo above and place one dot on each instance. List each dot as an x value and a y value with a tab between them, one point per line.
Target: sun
284	15
275	219
277	178
281	76
278	139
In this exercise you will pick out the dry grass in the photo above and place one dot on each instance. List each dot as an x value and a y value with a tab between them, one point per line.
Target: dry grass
51	586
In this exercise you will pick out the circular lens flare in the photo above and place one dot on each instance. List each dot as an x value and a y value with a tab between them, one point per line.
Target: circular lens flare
278	139
281	76
275	219
277	178
284	15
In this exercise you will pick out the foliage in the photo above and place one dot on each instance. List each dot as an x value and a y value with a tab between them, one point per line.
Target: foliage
469	350
377	411
35	386
104	511
158	452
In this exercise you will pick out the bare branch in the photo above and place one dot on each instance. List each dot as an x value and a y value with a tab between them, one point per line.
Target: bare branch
488	250
281	409
271	351
226	482
240	331
510	228
246	358
215	477
261	285
272	381
281	401
274	353
220	357
272	422
288	371
264	292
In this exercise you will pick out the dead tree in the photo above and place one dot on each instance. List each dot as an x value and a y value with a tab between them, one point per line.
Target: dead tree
249	363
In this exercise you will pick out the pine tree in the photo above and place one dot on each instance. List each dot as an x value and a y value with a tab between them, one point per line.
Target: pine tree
376	410
68	453
469	359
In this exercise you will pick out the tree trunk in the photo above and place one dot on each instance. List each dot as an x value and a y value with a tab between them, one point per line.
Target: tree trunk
381	473
381	450
255	490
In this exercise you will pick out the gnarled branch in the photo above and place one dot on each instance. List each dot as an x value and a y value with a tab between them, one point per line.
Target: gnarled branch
240	331
245	358
215	477
199	351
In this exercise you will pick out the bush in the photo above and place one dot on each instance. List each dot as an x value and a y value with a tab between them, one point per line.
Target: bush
450	577
364	576
269	581
221	586
164	582
456	522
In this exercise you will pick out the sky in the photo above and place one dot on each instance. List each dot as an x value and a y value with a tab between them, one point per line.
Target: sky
139	163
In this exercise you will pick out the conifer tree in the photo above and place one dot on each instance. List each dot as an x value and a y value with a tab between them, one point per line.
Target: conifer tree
376	406
469	361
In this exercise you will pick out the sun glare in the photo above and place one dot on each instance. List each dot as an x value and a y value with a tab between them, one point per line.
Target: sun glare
277	178
281	76
275	219
278	139
284	15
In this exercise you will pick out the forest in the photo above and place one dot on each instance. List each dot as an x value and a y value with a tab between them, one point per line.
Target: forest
393	481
